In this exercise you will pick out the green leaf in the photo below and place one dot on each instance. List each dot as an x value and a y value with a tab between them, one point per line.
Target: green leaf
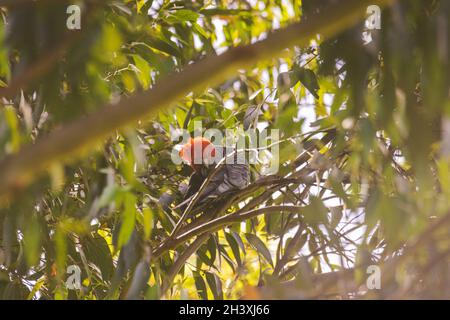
239	241
255	94
300	243
212	249
109	195
32	240
165	46
107	47
287	112
15	291
228	118
61	249
142	6
251	116
139	282
260	247
198	29
128	219
336	217
215	285
122	7
153	292
285	81
226	12
37	286
184	15
308	79
147	219
234	247
97	251
143	71
203	257
13	123
200	285
315	212
227	258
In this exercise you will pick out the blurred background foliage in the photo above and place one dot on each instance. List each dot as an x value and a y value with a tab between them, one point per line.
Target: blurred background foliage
364	153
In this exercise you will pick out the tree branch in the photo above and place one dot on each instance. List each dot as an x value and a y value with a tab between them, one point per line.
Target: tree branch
219	223
193	247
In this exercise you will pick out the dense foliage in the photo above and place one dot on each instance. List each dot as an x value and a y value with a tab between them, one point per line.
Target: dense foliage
363	179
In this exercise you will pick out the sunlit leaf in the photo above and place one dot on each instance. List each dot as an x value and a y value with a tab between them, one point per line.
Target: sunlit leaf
259	246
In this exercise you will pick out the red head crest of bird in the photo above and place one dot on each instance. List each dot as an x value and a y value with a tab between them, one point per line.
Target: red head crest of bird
197	152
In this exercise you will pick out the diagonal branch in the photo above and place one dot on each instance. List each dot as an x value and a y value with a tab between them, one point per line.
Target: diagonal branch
219	223
181	260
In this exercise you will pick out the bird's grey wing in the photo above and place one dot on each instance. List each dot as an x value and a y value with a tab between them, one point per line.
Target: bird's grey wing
231	177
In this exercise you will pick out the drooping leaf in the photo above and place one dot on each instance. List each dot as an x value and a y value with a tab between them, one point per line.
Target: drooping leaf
139	282
200	285
128	219
143	71
308	79
234	247
260	247
215	285
97	251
